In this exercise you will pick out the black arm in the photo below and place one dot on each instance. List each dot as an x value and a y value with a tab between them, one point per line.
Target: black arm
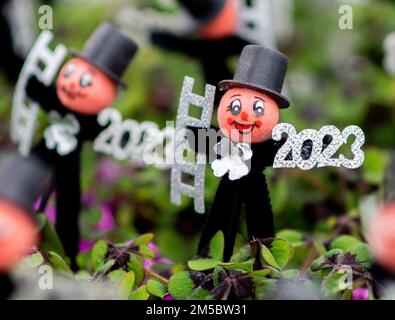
169	41
199	48
44	95
203	140
90	128
264	153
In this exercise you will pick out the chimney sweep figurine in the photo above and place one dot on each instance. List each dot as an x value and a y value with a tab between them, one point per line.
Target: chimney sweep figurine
215	40
248	116
381	238
16	34
380	234
86	85
247	113
22	181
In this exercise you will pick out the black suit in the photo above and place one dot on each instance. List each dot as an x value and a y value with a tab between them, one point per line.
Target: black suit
66	167
250	191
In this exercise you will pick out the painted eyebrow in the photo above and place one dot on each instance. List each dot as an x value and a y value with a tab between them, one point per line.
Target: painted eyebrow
236	95
260	99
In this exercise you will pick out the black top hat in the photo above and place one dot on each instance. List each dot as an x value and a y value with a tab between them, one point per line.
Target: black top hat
261	69
109	50
203	10
23	180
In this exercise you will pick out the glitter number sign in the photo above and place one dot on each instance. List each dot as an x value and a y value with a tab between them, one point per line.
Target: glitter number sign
320	157
128	140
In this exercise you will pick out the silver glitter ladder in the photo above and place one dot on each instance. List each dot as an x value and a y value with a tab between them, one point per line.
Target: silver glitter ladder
180	167
257	21
24	112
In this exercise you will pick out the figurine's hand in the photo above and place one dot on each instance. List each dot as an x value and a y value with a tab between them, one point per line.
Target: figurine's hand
233	158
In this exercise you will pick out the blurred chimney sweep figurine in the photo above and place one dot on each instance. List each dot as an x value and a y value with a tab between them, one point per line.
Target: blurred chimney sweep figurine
215	18
247	113
381	237
215	40
22	181
86	85
16	34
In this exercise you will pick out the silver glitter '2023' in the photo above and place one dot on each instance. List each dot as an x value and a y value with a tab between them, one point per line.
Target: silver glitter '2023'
319	157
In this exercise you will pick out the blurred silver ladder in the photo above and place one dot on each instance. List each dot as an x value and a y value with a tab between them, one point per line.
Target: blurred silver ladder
180	166
43	63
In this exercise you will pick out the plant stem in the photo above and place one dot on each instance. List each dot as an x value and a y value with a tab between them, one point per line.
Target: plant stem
321	186
311	255
156	276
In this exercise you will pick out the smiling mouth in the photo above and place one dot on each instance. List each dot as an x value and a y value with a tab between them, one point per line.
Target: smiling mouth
72	94
243	128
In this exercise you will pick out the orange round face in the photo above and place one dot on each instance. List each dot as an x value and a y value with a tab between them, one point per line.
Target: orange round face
382	236
83	88
245	115
17	235
223	25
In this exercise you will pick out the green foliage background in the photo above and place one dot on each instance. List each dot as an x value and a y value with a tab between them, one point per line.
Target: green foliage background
335	77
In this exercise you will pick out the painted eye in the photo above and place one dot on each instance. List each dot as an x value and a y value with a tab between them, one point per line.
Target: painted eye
86	80
235	107
69	70
258	108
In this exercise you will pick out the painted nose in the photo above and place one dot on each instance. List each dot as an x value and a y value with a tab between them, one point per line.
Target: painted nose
244	116
72	85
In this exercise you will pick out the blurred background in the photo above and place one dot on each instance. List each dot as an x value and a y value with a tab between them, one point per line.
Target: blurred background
335	76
